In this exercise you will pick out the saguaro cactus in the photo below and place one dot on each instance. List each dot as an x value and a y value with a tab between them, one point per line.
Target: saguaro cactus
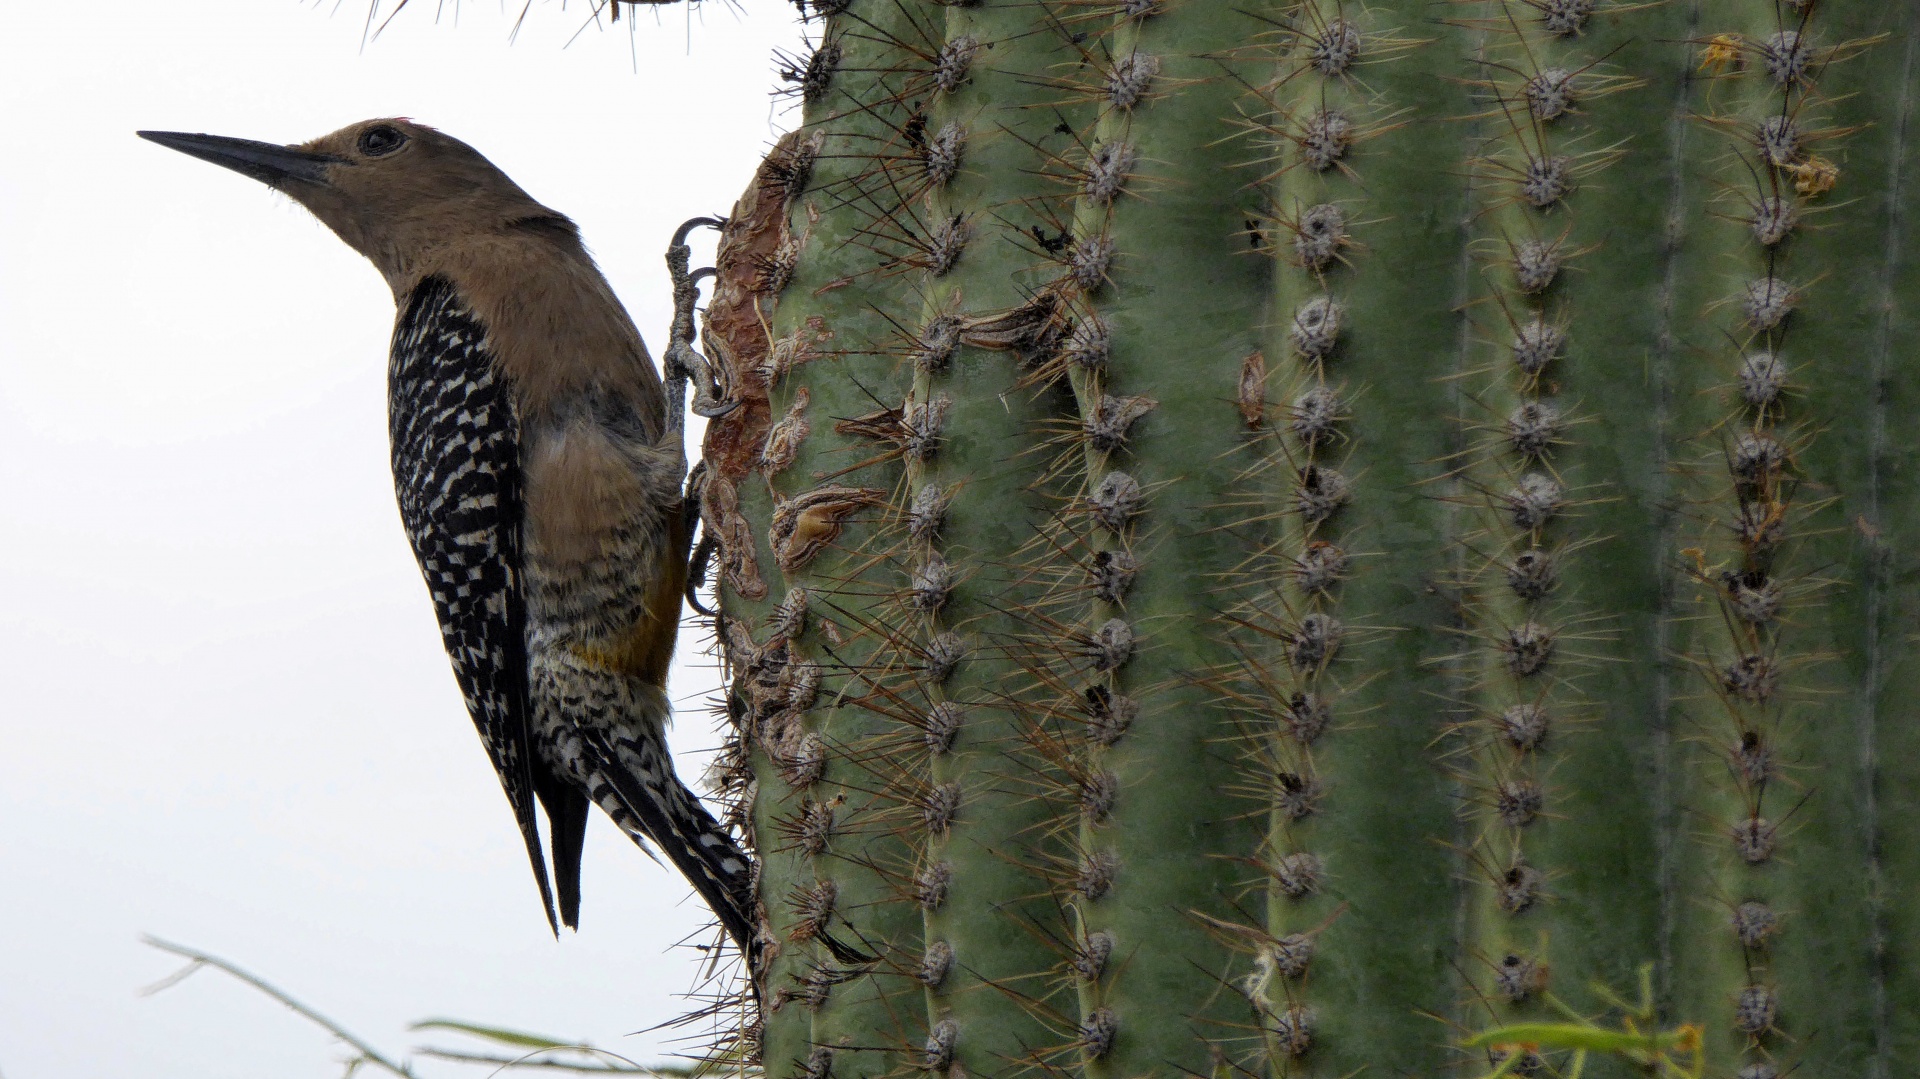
1264	538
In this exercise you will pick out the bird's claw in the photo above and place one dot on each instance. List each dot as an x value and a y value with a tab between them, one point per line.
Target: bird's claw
686	365
683	363
686	227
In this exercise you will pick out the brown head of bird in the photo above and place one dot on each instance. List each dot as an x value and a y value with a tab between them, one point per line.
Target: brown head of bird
392	189
419	203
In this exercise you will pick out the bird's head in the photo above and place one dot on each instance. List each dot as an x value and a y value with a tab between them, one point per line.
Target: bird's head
393	189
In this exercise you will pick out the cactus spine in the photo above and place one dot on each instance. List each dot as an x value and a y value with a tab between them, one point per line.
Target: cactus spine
1263	538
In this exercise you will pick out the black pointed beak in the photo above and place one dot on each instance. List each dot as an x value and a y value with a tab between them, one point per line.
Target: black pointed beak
263	161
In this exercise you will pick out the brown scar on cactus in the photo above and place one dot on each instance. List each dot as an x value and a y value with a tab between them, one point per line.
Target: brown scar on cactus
788	167
802	526
1030	329
784	438
798	346
721	517
1251	391
912	430
788	619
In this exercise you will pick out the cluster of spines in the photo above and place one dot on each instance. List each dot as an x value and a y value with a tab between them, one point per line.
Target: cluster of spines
1303	115
1072	703
1762	108
1522	697
1093	551
1016	329
817	686
1312	672
909	197
938	772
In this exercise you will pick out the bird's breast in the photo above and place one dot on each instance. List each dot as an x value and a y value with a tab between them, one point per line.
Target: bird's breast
605	548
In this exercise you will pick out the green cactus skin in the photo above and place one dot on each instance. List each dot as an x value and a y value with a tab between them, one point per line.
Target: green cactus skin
1833	878
1176	369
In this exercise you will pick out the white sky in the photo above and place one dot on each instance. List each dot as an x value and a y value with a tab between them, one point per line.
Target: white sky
227	719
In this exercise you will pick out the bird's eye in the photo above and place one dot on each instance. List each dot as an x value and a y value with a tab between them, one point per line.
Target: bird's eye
376	141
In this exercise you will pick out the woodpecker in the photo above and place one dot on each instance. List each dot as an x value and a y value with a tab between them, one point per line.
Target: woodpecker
538	460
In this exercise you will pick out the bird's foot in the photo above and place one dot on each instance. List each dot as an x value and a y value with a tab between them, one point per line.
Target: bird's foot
683	362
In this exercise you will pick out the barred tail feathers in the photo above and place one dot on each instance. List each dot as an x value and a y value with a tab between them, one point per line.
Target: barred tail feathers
638	789
607	731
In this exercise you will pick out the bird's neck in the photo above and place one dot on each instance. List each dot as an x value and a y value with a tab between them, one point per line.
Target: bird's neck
550	317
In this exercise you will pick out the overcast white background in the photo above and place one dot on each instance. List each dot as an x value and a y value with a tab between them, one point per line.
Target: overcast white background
225	718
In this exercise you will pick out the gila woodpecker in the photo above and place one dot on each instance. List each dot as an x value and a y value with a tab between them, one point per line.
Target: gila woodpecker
538	461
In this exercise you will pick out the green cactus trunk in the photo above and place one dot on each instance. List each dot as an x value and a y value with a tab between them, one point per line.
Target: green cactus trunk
1269	538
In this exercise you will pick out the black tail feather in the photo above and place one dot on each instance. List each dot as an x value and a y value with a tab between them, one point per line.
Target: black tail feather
567	834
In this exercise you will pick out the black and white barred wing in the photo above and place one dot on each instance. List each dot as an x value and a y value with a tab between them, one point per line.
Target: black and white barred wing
456	471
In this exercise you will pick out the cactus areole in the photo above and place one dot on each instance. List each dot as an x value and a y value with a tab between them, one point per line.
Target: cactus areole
1271	538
